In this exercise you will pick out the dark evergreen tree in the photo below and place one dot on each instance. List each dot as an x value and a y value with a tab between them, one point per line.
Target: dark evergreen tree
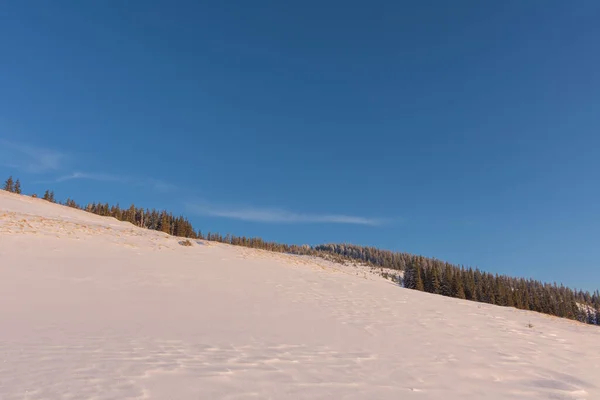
409	280
469	284
9	185
446	282
457	287
591	317
419	278
17	186
432	280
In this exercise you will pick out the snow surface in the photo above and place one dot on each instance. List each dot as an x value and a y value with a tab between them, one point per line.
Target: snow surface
94	308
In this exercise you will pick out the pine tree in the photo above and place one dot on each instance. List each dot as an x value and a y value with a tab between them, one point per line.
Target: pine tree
165	225
469	284
446	282
432	282
427	280
457	287
46	195
409	274
18	186
9	185
419	279
510	301
591	317
131	214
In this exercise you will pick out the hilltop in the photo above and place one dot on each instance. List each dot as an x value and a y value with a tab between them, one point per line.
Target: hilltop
93	307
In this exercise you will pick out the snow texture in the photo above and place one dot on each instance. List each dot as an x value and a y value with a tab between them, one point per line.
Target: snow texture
94	308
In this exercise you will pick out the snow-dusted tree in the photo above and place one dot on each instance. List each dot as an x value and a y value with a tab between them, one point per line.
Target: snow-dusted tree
409	277
591	316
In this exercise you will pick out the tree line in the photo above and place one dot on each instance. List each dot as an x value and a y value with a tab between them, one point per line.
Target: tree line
419	273
433	276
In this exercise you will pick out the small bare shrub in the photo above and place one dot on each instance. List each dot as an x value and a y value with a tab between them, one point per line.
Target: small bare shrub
185	242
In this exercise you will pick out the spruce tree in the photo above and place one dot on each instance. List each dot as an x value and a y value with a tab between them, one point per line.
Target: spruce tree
9	185
591	317
457	287
165	225
18	186
469	284
131	214
510	301
409	274
446	282
419	279
435	280
427	279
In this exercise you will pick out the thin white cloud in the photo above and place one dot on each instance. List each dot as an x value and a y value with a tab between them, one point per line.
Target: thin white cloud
39	160
158	185
155	184
90	176
30	158
280	216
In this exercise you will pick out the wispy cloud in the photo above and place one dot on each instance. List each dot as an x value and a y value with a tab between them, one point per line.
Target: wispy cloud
91	176
50	162
155	184
280	216
158	185
30	158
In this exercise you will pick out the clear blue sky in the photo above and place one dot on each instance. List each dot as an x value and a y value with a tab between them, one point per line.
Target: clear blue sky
463	130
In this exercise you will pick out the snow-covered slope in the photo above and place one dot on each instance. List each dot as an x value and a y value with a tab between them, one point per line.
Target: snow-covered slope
93	308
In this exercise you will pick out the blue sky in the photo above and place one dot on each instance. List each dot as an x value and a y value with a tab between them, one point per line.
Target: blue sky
463	130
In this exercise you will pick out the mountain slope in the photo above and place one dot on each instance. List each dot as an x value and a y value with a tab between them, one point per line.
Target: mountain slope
91	307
